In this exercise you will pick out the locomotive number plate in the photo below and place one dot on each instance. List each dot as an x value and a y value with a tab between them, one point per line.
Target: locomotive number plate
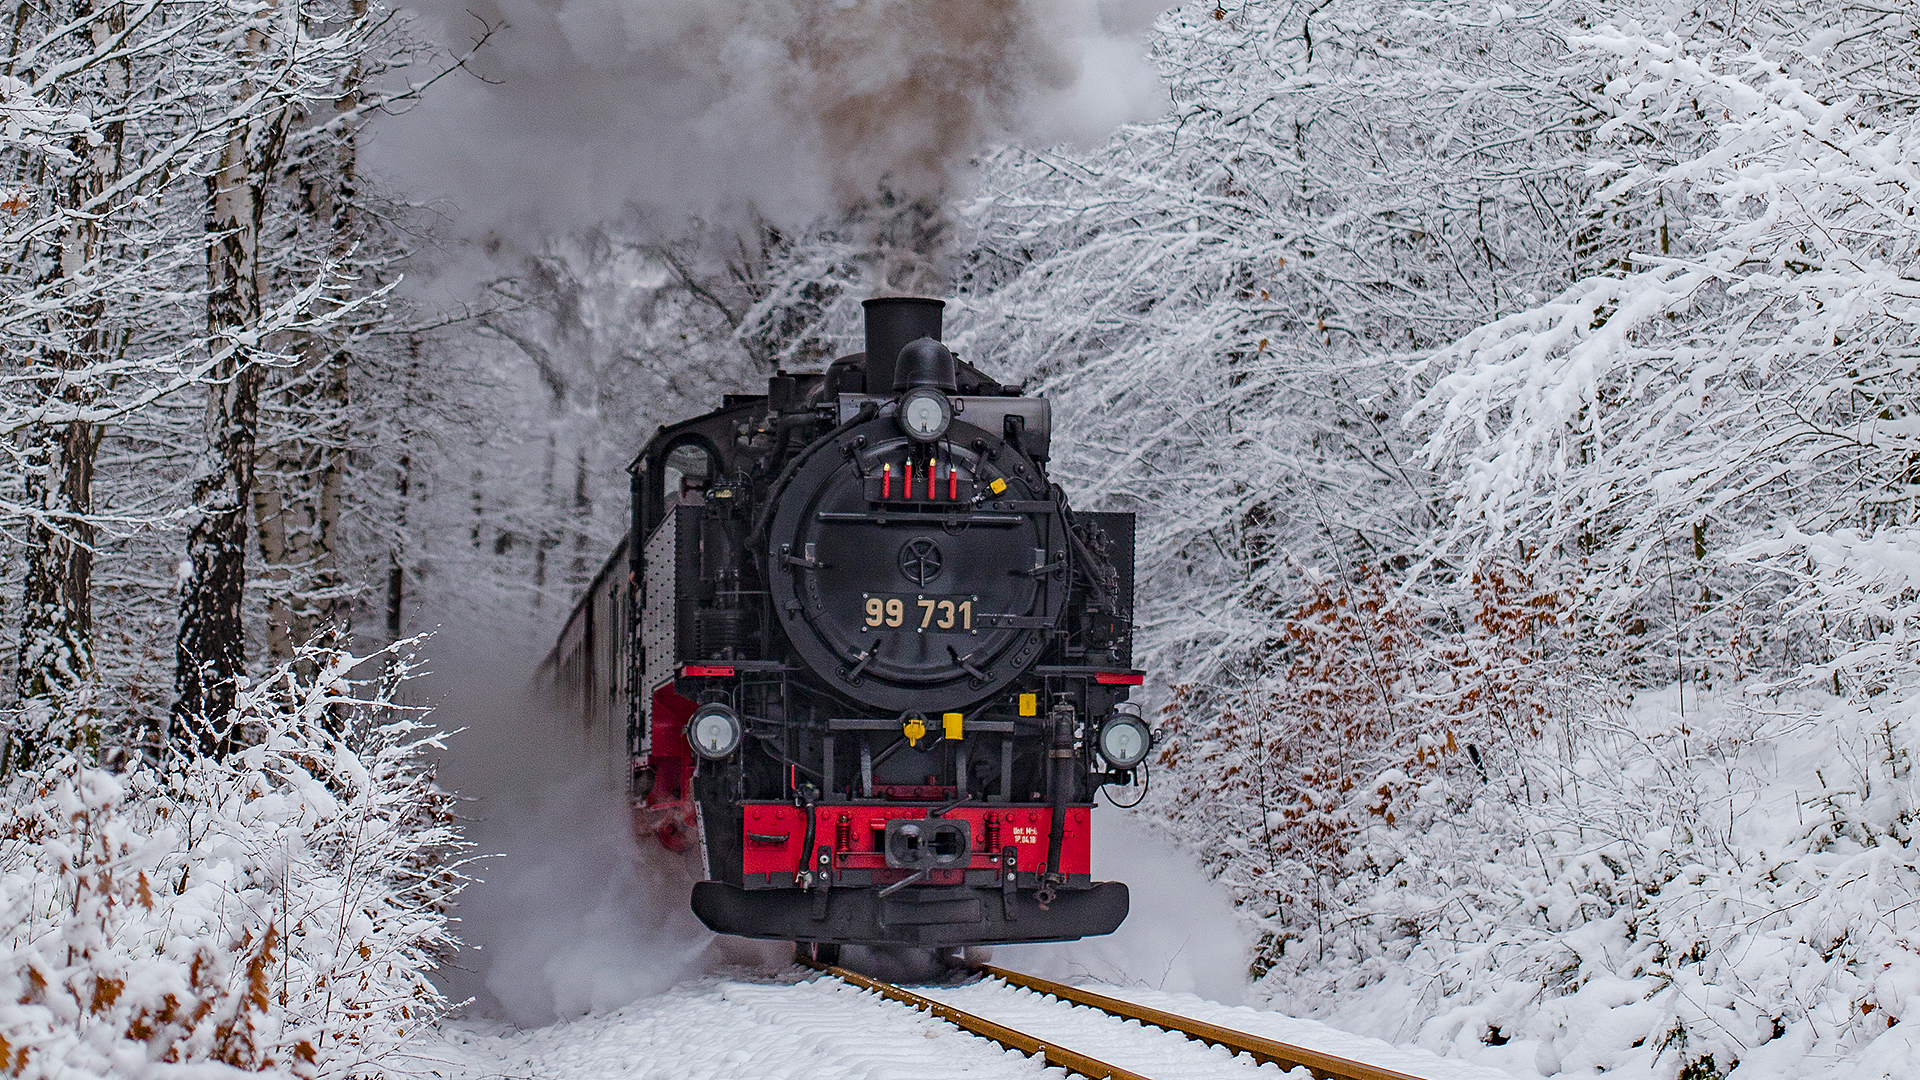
920	612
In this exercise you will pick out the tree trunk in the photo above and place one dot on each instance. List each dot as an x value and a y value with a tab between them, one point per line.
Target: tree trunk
273	472
329	602
396	571
403	492
545	538
211	650
302	479
299	488
333	606
56	635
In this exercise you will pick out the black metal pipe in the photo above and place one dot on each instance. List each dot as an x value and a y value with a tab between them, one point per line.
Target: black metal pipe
804	875
892	321
914	878
1061	755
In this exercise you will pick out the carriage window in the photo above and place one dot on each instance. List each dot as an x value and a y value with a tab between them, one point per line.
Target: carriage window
689	468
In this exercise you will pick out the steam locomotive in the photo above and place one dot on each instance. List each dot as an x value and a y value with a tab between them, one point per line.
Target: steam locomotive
861	651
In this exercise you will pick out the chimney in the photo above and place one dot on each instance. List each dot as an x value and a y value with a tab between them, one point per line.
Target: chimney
892	321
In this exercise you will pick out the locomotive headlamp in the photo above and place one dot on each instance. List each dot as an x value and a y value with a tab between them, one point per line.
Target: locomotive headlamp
925	413
1124	740
714	731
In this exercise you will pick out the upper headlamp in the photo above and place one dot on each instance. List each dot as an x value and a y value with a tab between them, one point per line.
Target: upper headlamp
925	413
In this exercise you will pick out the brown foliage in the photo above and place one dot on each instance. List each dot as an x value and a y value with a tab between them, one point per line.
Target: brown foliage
1367	698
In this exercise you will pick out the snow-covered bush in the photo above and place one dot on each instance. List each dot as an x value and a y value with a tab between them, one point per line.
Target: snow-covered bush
276	912
1372	712
1647	893
1266	776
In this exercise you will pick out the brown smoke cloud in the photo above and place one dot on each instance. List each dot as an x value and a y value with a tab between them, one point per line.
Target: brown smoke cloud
588	109
904	89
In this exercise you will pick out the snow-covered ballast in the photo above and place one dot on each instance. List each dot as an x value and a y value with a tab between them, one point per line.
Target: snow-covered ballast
878	666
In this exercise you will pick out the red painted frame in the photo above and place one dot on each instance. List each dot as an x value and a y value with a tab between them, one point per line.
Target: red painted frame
1024	827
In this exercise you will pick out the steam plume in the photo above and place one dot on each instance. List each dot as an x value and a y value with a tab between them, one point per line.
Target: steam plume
787	108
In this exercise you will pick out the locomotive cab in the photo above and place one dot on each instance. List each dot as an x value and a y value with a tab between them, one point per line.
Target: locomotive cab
877	667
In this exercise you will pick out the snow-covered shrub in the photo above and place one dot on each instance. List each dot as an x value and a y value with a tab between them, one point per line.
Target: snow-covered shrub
1374	715
1286	753
1720	428
1676	897
276	912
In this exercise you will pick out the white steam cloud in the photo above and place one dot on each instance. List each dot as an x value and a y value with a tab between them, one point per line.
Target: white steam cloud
567	914
590	109
1182	934
572	918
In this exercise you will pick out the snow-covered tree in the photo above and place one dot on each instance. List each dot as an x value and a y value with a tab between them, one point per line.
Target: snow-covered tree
118	105
1734	397
278	62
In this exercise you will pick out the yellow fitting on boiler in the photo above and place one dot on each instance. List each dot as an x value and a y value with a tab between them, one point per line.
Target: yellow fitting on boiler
914	729
952	724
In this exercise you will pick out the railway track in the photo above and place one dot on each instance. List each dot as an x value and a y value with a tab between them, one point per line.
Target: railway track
1323	1066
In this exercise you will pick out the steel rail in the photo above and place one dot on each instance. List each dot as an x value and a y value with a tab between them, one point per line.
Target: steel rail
1073	1060
1323	1066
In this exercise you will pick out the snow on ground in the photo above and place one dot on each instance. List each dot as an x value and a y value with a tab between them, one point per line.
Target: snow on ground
1164	1055
1487	1063
1181	932
791	1025
797	1024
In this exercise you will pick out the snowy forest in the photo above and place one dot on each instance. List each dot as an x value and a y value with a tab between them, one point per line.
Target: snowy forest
1521	405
